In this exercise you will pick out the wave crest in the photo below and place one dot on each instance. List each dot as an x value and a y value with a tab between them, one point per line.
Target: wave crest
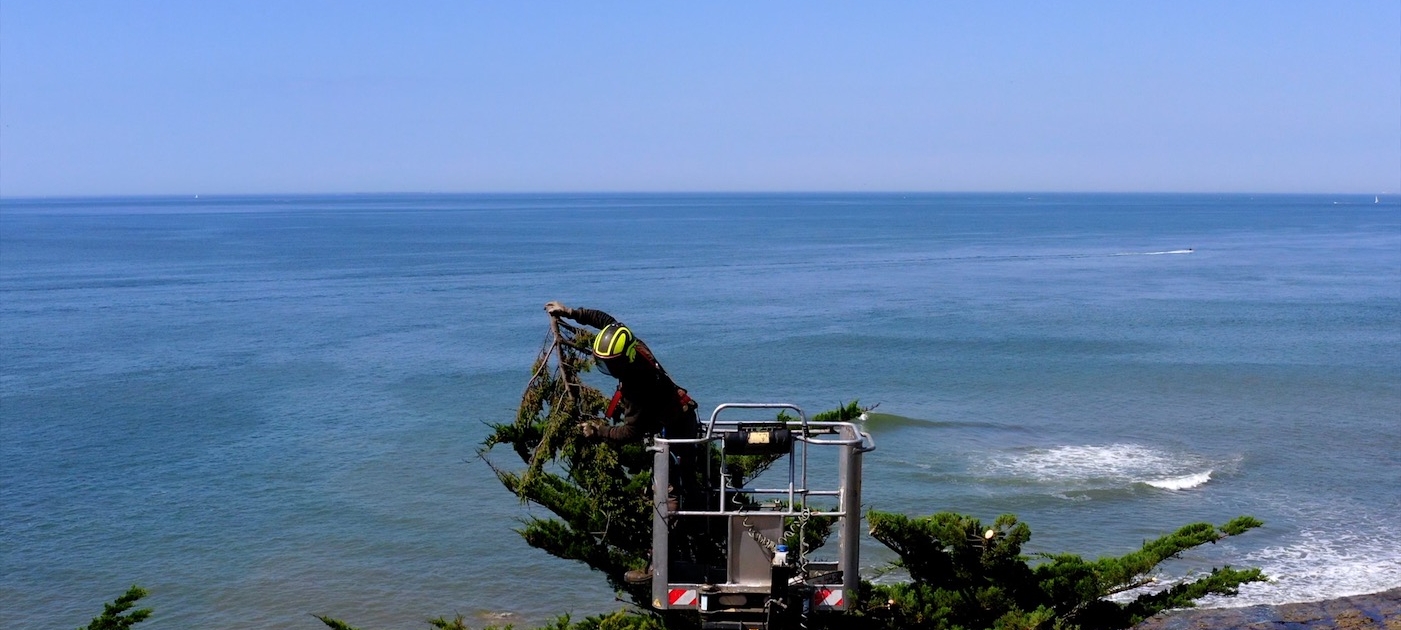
1181	483
1081	467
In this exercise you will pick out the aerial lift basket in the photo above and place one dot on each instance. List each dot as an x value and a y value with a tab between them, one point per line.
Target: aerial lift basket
757	582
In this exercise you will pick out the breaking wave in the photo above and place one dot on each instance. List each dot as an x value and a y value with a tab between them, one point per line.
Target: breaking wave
1181	483
1086	467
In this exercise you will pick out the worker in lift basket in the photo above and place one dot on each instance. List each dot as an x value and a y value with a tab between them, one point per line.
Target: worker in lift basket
647	402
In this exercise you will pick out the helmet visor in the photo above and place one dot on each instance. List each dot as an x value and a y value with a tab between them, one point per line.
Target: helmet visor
614	367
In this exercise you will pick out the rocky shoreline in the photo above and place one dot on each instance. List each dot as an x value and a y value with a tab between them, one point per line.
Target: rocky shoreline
1377	611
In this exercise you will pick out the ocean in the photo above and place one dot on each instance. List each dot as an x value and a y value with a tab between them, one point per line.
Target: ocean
265	408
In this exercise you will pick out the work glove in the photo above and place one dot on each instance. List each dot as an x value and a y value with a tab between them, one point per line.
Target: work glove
555	309
589	428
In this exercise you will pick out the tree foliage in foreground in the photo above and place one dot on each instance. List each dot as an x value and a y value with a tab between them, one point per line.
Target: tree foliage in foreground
118	614
965	575
600	494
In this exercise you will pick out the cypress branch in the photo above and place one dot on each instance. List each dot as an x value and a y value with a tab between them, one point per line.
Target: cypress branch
118	615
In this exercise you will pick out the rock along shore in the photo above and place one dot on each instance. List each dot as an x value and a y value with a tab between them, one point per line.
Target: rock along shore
1377	611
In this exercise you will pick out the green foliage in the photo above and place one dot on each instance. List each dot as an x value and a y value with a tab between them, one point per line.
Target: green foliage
441	623
1241	524
334	624
600	495
457	623
115	616
620	620
963	575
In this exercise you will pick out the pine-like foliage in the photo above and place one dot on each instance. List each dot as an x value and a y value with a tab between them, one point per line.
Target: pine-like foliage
963	575
333	623
599	493
118	615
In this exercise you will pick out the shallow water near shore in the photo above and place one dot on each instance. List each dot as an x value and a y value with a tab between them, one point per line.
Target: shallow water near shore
263	408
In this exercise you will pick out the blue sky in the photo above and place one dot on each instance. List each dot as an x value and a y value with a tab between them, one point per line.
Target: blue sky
148	97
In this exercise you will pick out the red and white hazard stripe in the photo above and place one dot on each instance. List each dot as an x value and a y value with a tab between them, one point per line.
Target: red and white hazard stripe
827	598
681	597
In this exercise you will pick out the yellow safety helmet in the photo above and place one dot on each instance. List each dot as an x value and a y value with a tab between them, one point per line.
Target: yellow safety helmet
615	345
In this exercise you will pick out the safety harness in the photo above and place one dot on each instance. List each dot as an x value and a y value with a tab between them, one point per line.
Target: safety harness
682	397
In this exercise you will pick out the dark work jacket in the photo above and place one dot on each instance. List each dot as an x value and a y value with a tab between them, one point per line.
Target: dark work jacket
650	402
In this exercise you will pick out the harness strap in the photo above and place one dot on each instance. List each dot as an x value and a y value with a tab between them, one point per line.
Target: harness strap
687	403
613	404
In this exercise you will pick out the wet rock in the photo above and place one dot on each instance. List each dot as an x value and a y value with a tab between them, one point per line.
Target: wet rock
1378	611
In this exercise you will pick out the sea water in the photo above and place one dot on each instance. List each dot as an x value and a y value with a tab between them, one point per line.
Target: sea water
264	408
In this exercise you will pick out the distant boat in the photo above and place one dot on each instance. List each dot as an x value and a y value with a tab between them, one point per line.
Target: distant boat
1376	199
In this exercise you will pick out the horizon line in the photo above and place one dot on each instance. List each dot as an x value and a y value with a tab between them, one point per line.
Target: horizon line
518	193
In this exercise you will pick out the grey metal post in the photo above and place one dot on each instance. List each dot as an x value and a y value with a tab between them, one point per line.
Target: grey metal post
851	522
661	547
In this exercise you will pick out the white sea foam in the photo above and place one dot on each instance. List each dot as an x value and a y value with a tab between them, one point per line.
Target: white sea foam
1114	465
1085	461
1313	566
1181	483
1321	564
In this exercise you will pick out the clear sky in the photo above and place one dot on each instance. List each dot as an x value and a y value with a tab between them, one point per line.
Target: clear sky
305	96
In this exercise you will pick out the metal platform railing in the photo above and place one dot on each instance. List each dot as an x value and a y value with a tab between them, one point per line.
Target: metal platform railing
745	576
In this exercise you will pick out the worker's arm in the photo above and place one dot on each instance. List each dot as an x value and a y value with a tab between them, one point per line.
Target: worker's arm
644	405
585	316
590	317
625	432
